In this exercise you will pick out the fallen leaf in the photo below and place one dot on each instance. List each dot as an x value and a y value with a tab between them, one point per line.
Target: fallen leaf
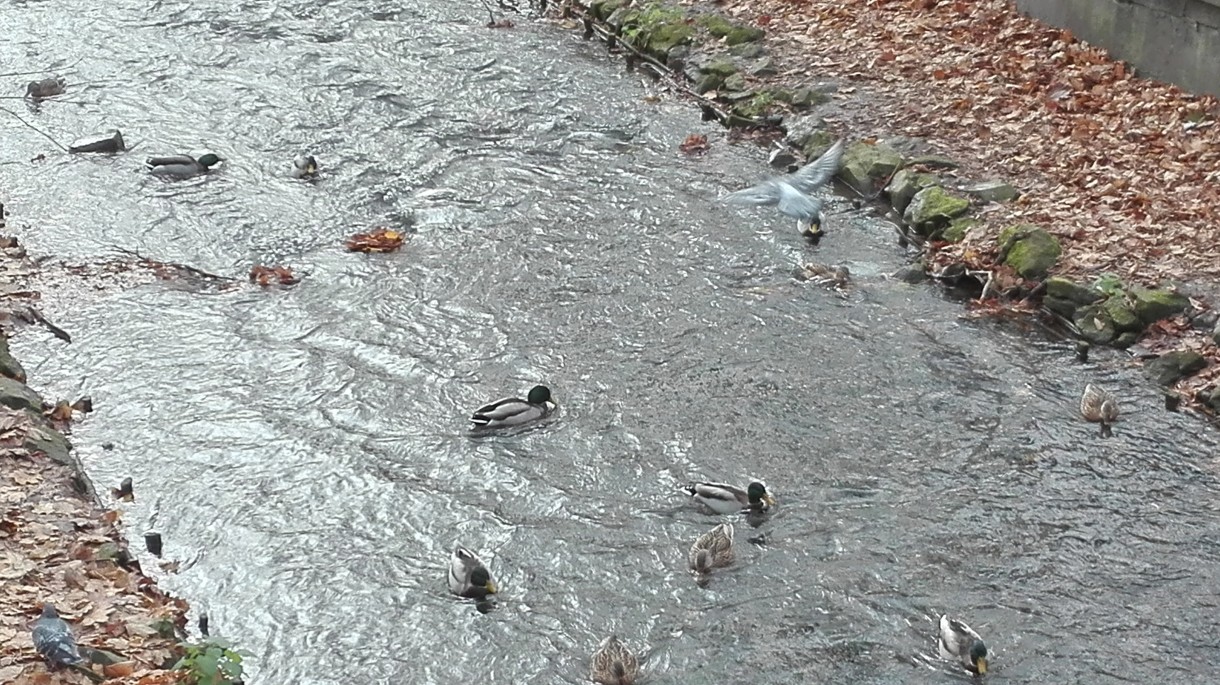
694	144
377	240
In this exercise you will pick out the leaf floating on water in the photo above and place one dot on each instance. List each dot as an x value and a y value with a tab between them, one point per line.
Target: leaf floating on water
268	275
695	144
377	240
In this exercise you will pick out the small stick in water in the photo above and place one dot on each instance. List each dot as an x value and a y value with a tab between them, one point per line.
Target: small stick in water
203	623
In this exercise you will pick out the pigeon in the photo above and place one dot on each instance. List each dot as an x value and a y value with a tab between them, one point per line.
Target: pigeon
53	639
791	194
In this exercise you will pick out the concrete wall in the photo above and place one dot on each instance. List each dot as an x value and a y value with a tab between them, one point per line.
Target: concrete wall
1169	40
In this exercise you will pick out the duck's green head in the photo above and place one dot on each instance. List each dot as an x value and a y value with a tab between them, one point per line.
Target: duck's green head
539	394
758	492
208	160
978	656
482	579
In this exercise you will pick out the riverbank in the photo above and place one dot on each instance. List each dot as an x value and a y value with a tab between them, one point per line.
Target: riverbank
57	543
1009	152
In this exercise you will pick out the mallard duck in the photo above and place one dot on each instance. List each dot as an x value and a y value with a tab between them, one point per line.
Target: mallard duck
1099	406
712	549
181	166
614	664
959	641
53	638
46	88
723	498
304	166
791	193
514	411
837	277
468	577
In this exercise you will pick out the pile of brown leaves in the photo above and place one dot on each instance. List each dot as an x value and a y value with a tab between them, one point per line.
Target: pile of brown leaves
694	144
376	240
57	546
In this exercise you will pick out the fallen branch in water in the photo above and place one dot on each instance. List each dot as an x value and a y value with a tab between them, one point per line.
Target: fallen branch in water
156	264
34	128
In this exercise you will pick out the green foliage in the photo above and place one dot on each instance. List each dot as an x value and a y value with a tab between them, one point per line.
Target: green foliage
211	662
1109	284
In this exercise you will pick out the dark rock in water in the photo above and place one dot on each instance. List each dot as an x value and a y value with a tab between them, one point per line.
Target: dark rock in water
152	541
1171	367
1212	397
110	142
782	158
1082	350
911	274
17	395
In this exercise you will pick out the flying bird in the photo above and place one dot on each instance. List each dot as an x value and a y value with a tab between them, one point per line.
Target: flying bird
791	194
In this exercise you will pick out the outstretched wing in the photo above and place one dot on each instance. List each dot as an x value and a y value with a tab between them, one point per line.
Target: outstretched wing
815	174
765	193
798	205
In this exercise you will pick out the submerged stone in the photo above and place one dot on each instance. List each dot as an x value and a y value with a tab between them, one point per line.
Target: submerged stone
1029	250
864	164
1171	367
932	208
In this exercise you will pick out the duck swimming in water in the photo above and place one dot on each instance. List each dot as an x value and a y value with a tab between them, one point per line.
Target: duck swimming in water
614	664
468	577
304	167
181	166
723	498
514	411
1099	406
956	640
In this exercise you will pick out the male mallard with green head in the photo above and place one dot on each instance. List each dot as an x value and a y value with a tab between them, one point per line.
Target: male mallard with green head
514	411
712	550
956	640
723	498
1099	406
468	577
614	664
181	166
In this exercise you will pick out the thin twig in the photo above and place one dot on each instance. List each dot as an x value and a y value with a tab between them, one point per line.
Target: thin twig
175	265
34	128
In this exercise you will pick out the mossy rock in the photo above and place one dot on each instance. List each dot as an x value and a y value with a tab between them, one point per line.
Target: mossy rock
656	29
905	184
779	94
993	191
10	367
1171	367
17	395
756	106
1120	313
602	9
747	50
865	164
733	33
719	66
806	98
708	82
1067	289
1095	325
932	208
816	143
1126	339
1029	250
665	37
958	228
1154	305
736	83
1109	284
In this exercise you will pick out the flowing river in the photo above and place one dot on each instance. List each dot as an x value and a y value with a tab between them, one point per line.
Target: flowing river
304	450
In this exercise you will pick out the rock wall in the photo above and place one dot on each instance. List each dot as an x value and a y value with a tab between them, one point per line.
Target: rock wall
1171	40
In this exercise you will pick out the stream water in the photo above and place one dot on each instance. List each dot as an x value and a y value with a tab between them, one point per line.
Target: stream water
304	451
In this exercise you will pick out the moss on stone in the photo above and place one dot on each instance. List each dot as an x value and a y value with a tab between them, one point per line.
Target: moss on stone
602	9
733	33
1067	289
1029	250
1120	313
903	186
1095	325
958	227
756	106
932	208
1154	305
864	163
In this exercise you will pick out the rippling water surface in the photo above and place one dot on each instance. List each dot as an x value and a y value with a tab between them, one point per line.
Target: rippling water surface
304	450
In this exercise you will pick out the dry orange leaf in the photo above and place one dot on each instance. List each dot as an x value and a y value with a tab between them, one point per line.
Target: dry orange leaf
694	144
376	240
119	670
267	275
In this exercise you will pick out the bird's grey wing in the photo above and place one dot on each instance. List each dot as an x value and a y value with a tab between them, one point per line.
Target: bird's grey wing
796	204
765	193
816	173
170	159
53	639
